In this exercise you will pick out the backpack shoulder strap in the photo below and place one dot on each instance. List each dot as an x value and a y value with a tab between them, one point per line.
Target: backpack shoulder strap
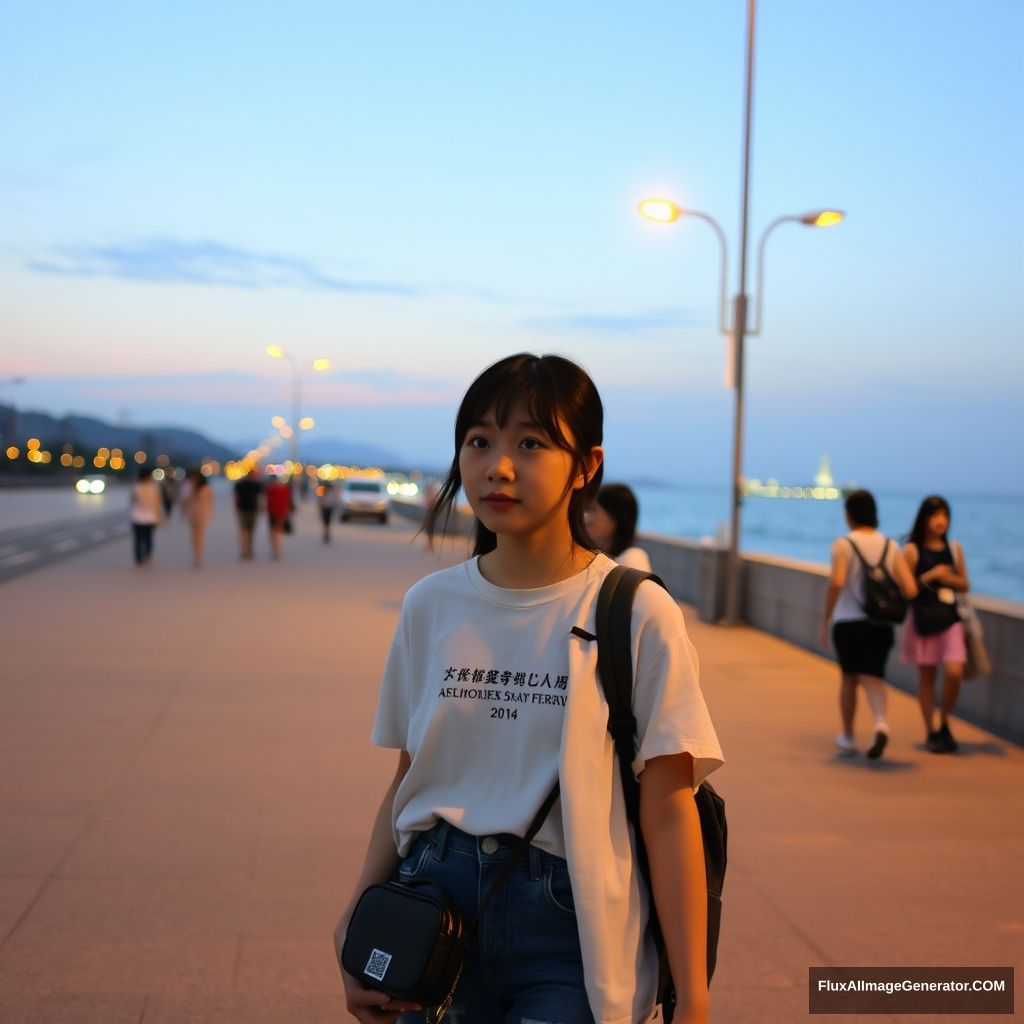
615	644
615	671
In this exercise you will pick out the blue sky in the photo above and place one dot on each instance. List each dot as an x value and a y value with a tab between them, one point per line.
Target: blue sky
415	190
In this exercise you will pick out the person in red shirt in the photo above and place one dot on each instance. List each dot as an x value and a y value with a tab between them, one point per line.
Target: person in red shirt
279	510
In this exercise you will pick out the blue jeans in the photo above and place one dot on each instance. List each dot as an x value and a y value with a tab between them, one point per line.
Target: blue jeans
525	965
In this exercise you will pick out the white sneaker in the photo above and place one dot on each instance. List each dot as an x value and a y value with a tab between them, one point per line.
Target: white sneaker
845	743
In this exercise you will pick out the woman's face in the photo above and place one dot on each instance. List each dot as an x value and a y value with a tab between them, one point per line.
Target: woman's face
516	477
938	523
601	527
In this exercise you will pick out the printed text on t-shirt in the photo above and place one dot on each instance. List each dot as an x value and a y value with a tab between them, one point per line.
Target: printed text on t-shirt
505	687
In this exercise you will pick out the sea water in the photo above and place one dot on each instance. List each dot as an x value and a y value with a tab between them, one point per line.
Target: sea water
990	528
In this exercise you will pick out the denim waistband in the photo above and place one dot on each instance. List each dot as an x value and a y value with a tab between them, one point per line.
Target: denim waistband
446	838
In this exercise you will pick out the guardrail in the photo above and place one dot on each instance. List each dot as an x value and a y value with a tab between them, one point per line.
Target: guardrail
784	597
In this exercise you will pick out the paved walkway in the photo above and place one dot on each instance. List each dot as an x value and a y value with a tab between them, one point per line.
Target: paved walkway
186	785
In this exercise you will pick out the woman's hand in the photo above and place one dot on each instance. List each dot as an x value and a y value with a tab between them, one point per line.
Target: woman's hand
369	1006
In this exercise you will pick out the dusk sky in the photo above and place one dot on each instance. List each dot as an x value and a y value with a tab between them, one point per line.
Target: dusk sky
415	190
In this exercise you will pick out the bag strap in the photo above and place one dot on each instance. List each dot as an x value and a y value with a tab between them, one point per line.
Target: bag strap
615	671
521	847
863	561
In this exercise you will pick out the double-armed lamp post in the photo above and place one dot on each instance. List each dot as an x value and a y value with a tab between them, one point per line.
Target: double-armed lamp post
666	211
297	424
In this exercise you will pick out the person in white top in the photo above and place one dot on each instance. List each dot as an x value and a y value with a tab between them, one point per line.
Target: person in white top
490	695
862	646
611	523
147	514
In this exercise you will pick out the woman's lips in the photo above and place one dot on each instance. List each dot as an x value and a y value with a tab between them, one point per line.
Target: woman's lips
500	502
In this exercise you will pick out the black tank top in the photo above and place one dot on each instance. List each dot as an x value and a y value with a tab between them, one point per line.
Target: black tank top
928	559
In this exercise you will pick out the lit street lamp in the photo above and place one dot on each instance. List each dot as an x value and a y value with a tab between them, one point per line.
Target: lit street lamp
665	211
297	424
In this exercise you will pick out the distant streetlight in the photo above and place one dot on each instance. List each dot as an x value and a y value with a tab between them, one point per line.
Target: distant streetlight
320	366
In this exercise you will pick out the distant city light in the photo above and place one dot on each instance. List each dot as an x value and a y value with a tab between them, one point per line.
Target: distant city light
307	423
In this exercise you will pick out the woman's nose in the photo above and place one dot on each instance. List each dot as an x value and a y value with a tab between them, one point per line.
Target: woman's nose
501	468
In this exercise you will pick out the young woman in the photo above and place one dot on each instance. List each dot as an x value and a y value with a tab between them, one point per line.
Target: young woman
197	504
933	636
147	514
862	646
611	522
490	696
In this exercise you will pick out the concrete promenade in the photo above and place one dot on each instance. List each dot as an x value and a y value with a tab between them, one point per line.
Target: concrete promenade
186	785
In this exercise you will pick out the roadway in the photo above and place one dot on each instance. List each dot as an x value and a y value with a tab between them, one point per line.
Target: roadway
186	785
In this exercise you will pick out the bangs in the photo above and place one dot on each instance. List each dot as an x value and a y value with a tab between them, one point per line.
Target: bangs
508	387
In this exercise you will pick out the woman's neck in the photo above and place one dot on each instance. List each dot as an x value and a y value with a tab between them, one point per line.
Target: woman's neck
526	563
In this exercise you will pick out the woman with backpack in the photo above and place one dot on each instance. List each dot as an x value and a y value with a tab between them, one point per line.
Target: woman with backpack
490	695
861	636
933	637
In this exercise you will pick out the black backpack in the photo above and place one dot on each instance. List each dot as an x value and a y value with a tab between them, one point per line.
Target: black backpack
615	670
883	600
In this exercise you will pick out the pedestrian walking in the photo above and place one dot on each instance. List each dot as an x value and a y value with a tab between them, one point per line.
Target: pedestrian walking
168	491
611	522
146	515
248	502
279	510
197	505
933	637
490	695
862	645
327	500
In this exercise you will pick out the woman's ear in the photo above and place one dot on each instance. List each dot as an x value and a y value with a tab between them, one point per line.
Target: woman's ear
591	464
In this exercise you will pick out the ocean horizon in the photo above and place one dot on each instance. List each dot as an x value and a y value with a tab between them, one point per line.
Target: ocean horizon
990	527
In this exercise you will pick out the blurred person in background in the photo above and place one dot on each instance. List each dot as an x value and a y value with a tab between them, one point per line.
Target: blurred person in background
248	502
611	523
279	510
146	514
168	491
933	637
862	646
197	506
327	500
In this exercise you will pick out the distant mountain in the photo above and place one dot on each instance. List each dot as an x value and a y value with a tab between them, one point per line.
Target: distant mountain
87	433
340	452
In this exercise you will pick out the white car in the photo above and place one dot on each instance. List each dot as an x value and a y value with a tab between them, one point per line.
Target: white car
361	496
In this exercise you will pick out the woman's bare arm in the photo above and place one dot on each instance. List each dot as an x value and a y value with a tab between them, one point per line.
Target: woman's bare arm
379	865
671	831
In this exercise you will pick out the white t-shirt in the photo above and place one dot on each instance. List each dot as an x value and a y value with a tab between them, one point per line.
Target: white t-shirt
491	694
146	506
849	607
634	558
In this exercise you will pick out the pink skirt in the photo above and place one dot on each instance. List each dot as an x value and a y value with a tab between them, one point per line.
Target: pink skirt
947	647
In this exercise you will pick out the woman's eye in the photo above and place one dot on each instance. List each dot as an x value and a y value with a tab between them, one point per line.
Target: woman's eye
531	444
476	442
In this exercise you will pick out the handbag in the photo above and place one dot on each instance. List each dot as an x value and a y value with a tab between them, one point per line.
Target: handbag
932	615
978	662
615	669
409	940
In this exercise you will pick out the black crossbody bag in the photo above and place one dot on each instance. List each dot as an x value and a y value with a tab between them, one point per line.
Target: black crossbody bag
615	669
409	939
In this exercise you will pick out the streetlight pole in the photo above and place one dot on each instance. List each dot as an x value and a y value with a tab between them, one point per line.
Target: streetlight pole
320	365
733	590
667	210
